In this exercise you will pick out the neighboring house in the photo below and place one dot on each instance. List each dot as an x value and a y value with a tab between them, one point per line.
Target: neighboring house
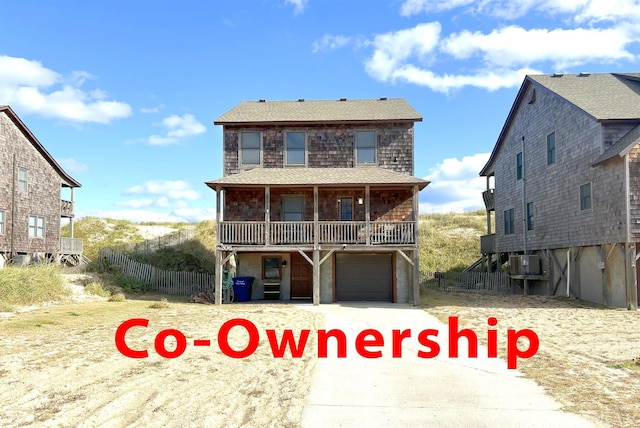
31	206
566	170
318	199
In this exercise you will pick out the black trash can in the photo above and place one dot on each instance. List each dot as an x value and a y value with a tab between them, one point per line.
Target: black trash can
242	287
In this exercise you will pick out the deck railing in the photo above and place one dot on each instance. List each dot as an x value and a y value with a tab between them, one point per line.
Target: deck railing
488	244
71	245
329	232
66	208
489	198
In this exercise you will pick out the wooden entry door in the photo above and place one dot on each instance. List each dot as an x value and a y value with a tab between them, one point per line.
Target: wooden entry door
301	277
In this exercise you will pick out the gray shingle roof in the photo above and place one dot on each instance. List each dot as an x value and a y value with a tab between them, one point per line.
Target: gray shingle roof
317	176
320	111
603	95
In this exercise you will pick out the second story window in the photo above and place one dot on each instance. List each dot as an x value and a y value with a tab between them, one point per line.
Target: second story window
365	147
250	148
530	216
551	148
585	197
519	168
36	226
295	148
2	222
509	228
22	180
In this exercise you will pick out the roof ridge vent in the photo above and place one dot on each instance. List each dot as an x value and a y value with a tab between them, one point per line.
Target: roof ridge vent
342	99
262	101
583	74
557	75
300	100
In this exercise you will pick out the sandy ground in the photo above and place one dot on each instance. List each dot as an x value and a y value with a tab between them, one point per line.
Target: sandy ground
59	367
150	232
587	356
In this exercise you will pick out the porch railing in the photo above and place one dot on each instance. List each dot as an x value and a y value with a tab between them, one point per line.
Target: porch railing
329	232
291	232
66	208
71	245
489	198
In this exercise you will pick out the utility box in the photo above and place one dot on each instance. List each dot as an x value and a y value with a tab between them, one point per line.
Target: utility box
524	264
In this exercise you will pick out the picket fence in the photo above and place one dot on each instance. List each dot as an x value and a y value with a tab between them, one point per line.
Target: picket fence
150	245
158	280
469	282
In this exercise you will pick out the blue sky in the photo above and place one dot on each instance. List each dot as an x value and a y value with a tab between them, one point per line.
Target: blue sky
124	93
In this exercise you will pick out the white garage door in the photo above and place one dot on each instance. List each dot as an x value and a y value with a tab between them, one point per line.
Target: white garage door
364	277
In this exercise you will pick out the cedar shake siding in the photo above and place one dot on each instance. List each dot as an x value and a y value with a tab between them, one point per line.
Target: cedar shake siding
323	189
20	151
327	145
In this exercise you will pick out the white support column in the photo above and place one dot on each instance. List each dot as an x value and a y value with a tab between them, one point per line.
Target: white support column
316	276
416	251
73	213
267	214
367	213
218	209
316	216
218	286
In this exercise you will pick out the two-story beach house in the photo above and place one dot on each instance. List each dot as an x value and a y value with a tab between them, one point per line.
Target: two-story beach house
31	204
318	199
563	182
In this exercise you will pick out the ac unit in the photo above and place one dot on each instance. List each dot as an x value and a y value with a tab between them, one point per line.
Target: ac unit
526	264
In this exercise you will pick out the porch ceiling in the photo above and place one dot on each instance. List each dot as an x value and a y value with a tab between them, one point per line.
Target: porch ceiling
323	177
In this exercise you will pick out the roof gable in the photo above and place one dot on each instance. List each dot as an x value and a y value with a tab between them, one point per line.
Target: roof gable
314	111
603	96
66	178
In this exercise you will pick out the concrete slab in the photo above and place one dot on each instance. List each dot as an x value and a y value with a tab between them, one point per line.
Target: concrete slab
414	392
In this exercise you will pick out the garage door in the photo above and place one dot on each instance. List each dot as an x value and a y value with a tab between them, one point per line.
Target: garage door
364	277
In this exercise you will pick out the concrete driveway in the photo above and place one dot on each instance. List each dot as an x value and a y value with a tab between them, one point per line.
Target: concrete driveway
418	392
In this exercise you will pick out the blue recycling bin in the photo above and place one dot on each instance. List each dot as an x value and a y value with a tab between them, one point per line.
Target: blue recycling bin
242	288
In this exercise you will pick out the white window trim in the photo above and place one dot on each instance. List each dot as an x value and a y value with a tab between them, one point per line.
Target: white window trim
586	210
375	148
513	221
555	148
286	150
3	223
44	227
249	165
26	181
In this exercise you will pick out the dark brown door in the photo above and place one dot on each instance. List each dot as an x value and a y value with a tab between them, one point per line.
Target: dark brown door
301	277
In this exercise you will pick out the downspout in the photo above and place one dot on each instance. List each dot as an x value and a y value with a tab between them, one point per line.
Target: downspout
13	204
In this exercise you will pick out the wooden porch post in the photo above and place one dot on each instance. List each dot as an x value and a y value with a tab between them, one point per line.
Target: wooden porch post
416	252
71	218
630	276
316	218
267	214
316	275
367	213
218	266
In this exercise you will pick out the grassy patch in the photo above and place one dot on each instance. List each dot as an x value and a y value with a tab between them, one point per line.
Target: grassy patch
98	232
159	305
631	365
20	286
450	242
97	289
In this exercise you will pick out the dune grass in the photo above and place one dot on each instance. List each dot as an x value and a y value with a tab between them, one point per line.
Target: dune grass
20	286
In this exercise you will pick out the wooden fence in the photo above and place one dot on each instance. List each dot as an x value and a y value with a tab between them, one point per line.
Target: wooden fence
161	281
469	282
155	244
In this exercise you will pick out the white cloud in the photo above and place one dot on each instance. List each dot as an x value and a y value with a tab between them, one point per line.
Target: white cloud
30	87
177	127
581	10
298	5
178	189
455	185
330	42
516	46
394	49
155	109
73	166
